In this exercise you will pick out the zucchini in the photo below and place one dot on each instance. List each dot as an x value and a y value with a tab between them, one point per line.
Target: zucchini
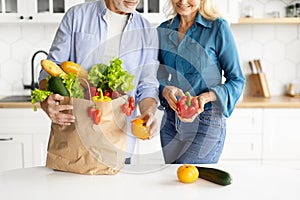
56	86
215	175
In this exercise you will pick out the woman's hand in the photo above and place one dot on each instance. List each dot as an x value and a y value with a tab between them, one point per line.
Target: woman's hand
170	93
55	111
205	98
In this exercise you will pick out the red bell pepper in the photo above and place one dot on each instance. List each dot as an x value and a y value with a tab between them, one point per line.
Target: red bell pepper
91	111
97	116
187	106
128	107
131	102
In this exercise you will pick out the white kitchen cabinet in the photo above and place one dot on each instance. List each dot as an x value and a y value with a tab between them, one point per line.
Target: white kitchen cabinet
244	136
282	136
23	137
15	151
34	11
40	144
263	135
152	10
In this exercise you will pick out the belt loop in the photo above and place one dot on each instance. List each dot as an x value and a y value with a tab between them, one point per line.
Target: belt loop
177	122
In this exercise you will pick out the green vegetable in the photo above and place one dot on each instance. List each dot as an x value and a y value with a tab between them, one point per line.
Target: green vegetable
111	77
39	95
96	73
67	85
72	84
215	175
56	85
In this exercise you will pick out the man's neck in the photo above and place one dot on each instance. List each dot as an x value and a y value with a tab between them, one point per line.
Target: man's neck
111	6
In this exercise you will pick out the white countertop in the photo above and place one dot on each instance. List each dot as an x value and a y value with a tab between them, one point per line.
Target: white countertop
155	182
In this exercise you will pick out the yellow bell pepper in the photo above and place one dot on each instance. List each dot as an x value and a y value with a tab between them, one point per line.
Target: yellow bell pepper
104	99
101	97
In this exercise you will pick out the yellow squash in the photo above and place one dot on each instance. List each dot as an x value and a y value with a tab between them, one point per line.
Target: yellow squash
71	67
51	68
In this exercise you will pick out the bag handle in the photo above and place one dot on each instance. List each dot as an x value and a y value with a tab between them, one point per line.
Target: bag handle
88	87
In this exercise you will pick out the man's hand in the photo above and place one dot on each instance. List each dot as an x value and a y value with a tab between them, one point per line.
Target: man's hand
54	110
148	108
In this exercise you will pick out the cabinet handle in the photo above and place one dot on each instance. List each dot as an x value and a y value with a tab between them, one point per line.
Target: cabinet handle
30	17
6	139
21	17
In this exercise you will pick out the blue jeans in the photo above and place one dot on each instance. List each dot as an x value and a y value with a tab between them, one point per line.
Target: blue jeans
198	142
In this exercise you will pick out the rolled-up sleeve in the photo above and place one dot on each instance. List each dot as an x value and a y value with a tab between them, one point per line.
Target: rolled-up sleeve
148	83
61	45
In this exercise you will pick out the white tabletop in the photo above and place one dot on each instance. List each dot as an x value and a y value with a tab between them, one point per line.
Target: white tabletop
153	182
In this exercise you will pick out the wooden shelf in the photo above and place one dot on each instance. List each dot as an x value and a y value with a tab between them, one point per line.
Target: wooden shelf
287	20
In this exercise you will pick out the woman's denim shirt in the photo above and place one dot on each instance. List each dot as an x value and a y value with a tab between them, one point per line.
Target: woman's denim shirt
206	53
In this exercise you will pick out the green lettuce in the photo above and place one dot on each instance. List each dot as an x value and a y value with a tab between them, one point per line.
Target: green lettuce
72	84
111	77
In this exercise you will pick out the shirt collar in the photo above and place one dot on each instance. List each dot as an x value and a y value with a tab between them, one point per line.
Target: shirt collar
198	20
102	10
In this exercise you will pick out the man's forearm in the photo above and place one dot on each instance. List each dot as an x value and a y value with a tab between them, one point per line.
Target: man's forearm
148	105
42	85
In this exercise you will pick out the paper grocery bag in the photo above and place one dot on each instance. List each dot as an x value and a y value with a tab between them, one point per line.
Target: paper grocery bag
86	148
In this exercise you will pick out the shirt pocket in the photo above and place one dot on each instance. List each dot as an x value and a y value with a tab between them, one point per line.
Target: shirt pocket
85	45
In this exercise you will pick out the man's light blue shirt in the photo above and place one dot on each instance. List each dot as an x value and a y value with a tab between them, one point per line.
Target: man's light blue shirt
81	38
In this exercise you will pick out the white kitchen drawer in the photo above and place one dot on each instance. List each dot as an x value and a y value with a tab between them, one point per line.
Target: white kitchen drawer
15	151
244	135
23	121
245	121
242	147
281	134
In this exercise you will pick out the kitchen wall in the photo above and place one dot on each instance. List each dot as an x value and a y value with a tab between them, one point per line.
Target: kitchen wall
18	43
278	47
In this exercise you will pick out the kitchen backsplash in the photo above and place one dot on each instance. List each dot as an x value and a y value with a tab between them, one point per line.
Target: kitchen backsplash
277	46
18	43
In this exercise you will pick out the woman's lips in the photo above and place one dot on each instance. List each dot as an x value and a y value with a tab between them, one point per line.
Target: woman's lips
182	7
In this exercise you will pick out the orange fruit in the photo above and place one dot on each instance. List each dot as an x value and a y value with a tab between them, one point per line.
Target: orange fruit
187	173
139	129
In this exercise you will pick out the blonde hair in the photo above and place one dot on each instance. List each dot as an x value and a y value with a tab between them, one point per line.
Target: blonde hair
207	9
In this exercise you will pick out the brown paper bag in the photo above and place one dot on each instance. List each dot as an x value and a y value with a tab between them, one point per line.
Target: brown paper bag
86	148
